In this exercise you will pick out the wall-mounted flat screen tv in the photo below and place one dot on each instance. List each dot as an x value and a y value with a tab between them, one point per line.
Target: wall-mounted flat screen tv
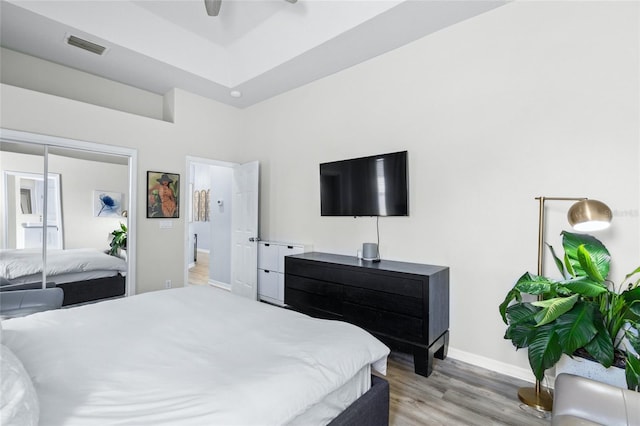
368	186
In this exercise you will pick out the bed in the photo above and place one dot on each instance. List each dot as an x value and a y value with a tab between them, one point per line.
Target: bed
84	274
197	356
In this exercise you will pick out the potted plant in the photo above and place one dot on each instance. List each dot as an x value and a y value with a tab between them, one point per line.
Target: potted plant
119	240
582	311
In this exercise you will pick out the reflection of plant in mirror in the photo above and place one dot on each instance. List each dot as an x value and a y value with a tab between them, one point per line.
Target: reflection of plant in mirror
119	240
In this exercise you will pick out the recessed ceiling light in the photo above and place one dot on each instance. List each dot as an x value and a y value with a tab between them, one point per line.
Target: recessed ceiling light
235	94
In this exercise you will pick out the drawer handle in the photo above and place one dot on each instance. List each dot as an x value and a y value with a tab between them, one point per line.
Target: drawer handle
289	247
266	271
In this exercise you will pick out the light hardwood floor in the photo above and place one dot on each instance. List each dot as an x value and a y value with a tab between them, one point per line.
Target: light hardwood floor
199	274
456	393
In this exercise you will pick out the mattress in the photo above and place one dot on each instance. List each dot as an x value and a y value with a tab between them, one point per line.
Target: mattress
16	264
335	402
191	356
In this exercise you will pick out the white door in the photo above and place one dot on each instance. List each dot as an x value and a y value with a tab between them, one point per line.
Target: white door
244	223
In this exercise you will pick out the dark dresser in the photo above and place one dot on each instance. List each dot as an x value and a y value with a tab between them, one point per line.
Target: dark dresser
405	305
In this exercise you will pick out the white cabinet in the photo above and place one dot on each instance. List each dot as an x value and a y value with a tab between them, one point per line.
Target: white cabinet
271	269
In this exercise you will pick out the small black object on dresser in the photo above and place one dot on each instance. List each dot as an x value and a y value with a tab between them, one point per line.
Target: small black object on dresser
405	305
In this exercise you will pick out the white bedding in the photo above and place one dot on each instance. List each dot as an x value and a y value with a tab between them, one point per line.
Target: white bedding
187	356
18	263
60	279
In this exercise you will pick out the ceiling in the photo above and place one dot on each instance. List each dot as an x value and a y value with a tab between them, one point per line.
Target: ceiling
258	48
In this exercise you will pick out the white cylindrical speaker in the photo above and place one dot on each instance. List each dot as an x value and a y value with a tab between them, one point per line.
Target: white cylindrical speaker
369	251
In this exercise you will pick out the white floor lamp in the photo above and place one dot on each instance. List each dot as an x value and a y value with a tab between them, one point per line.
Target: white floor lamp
584	216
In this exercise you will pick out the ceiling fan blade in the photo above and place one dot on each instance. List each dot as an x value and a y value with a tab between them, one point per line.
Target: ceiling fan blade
292	1
213	7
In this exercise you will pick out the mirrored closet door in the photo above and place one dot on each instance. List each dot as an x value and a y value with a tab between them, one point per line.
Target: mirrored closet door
61	233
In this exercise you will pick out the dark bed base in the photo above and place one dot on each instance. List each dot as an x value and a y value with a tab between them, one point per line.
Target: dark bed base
371	409
92	290
83	291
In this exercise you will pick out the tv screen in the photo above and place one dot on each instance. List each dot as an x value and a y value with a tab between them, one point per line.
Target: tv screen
367	186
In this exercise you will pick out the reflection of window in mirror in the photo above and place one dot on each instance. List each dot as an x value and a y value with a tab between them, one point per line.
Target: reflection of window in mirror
25	201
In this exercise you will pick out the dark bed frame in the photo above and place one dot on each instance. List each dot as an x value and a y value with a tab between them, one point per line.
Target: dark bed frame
371	409
78	292
91	290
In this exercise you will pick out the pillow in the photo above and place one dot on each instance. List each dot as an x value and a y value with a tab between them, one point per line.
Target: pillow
18	398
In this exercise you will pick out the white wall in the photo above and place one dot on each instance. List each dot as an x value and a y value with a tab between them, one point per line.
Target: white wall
533	98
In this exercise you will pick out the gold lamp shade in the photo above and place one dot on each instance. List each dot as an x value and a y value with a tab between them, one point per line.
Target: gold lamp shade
589	215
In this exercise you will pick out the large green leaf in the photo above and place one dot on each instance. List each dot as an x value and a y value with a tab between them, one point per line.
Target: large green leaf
588	264
544	350
557	261
576	328
632	372
513	294
601	346
632	300
522	325
534	284
633	336
631	295
597	251
629	275
585	287
553	308
567	263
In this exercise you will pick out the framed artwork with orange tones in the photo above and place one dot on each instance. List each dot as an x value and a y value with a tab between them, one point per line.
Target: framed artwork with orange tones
163	195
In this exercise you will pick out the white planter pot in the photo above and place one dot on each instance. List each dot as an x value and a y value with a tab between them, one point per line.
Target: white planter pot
585	368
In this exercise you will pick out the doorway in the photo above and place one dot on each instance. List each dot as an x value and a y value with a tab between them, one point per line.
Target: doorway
209	224
222	225
25	214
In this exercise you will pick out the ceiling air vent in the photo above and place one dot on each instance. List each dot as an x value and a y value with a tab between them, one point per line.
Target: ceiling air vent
86	45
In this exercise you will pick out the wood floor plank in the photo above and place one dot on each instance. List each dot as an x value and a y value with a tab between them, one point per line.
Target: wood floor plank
455	394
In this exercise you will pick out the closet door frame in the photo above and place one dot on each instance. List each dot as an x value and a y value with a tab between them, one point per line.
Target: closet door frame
132	153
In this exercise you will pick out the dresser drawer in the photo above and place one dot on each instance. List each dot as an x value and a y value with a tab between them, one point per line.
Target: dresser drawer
313	304
386	301
379	281
268	256
268	284
390	323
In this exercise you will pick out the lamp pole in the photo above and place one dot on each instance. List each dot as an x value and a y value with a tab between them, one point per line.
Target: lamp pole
538	397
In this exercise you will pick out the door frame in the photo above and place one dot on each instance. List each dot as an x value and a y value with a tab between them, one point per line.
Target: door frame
60	142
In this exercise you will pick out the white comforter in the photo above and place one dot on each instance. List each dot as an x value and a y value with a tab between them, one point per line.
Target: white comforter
18	263
187	356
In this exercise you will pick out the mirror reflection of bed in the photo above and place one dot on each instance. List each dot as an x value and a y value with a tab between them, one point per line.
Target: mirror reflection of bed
66	217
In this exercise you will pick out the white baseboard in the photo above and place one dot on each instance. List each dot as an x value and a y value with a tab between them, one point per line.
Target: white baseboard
491	364
220	284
